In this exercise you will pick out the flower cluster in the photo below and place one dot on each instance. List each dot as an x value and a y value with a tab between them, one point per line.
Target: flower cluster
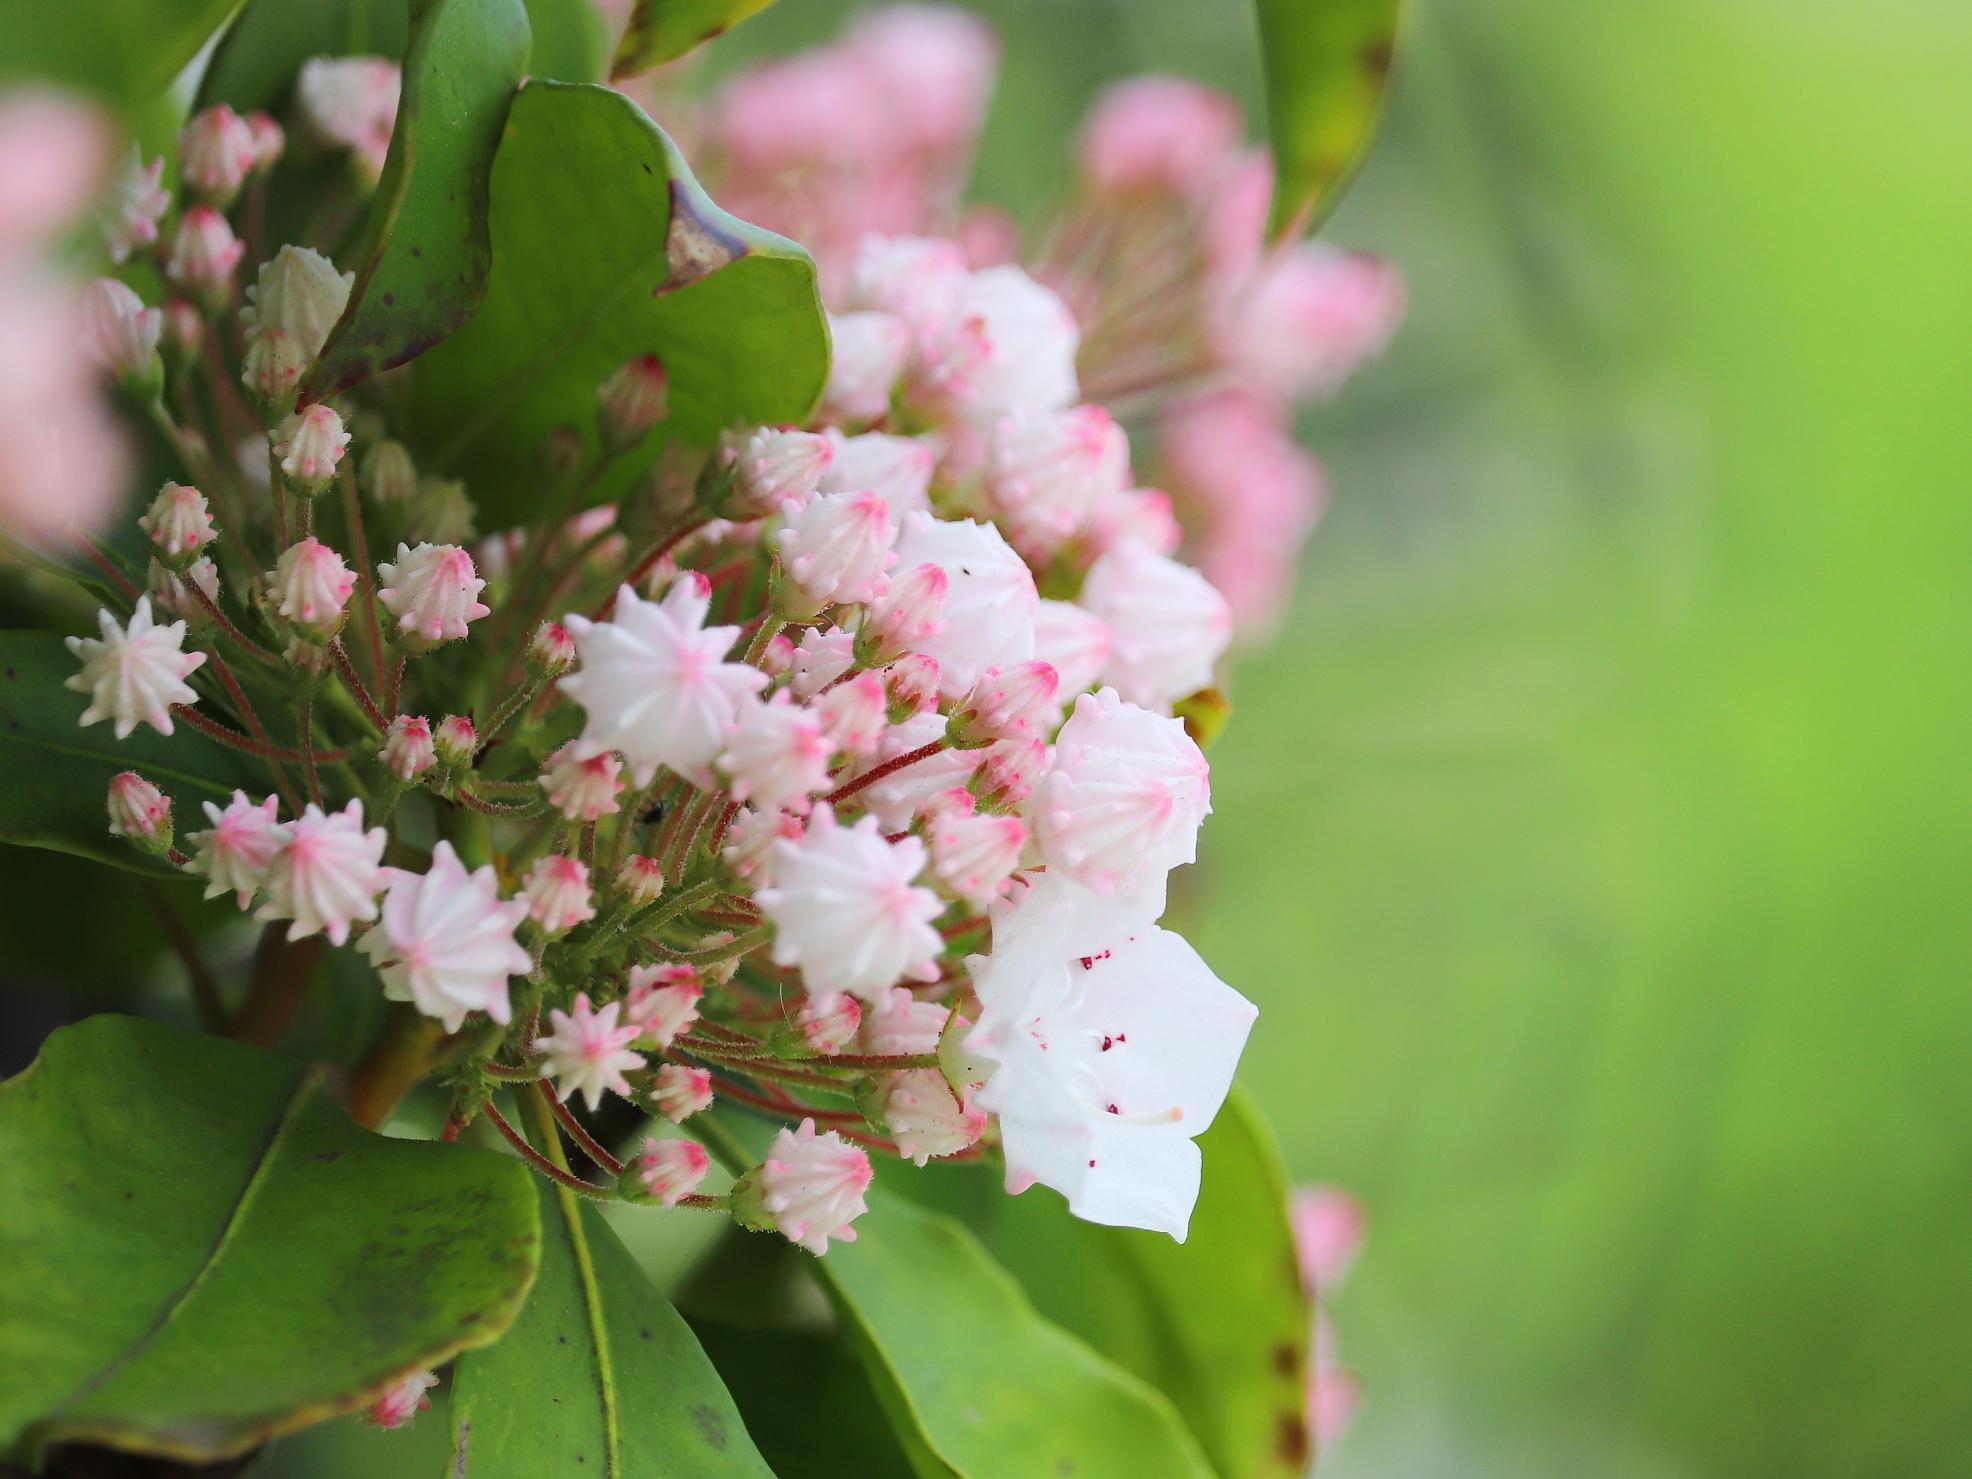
835	771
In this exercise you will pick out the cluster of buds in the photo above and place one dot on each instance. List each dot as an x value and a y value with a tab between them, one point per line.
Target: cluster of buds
836	772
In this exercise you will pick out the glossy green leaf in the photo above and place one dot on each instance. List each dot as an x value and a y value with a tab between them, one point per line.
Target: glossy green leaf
965	1362
570	40
125	50
599	1375
256	61
425	252
202	1250
1326	63
661	30
1218	1323
55	775
604	248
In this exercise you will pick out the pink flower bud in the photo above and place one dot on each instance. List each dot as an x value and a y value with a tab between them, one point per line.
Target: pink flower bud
402	1401
870	351
1045	475
1013	767
216	152
679	1092
387	473
140	812
774	466
184	328
310	586
179	523
1074	641
912	684
854	713
671	1170
268	141
663	1000
909	612
1015	703
271	371
431	591
836	549
639	880
750	840
1167	625
828	1026
974	856
821	658
583	790
1134	516
204	253
551	651
408	751
558	894
923	1115
809	1189
327	873
300	292
778	657
1328	1233
309	447
455	740
1157	135
120	333
137	202
777	753
632	400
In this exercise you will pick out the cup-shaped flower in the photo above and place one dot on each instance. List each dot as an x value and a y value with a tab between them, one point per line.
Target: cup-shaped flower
326	874
134	672
235	852
445	941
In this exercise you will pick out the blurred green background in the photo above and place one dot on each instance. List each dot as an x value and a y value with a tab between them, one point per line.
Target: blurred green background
1595	836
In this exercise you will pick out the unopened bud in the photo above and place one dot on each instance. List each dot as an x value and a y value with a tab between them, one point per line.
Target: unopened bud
306	656
562	452
121	335
179	523
552	650
310	588
271	372
204	253
268	141
666	1172
455	740
408	751
832	1027
773	466
632	401
640	881
911	683
387	473
140	813
679	1092
184	330
910	611
216	152
309	447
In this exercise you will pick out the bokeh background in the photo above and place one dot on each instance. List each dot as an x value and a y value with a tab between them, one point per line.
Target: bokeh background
1596	836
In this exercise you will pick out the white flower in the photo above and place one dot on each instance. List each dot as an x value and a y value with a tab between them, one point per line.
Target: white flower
446	940
809	1188
853	714
216	152
588	1052
749	849
1106	1063
582	790
139	811
408	749
179	521
1031	342
915	279
836	548
822	657
663	1001
924	1116
896	469
777	754
133	674
774	466
897	798
432	591
309	446
973	856
671	1170
1123	801
909	613
309	585
352	102
897	1023
300	293
557	893
1047	473
678	1092
136	203
990	600
1074	642
120	333
1167	625
870	350
235	853
845	910
654	681
326	873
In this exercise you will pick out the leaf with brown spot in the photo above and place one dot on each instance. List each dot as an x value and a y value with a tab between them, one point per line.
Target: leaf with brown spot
277	1266
1326	64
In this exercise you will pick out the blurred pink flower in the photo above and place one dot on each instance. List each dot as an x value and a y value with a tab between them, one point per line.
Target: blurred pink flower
1156	134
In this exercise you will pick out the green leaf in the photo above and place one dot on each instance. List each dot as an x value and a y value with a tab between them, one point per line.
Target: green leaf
125	50
570	40
425	252
1219	1323
599	1375
203	1250
1326	63
662	30
55	775
257	60
974	1376
604	248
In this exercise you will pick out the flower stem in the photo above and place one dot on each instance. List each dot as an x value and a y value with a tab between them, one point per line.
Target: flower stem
884	771
544	1125
401	1055
352	511
580	1136
346	670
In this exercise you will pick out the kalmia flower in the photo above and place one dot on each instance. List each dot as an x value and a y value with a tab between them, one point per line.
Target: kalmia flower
445	941
134	672
216	153
298	292
640	881
139	811
137	202
269	141
853	714
1073	641
654	682
671	1170
924	1116
309	586
588	1051
897	469
1046	474
836	547
896	1024
632	400
203	254
809	1189
774	466
455	740
326	874
663	1001
582	790
408	751
432	591
309	446
402	1401
551	650
351	102
990	600
870	351
777	754
120	332
845	909
818	660
558	895
678	1092
1167	626
179	522
908	614
271	371
827	1027
235	853
750	840
974	855
1157	135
